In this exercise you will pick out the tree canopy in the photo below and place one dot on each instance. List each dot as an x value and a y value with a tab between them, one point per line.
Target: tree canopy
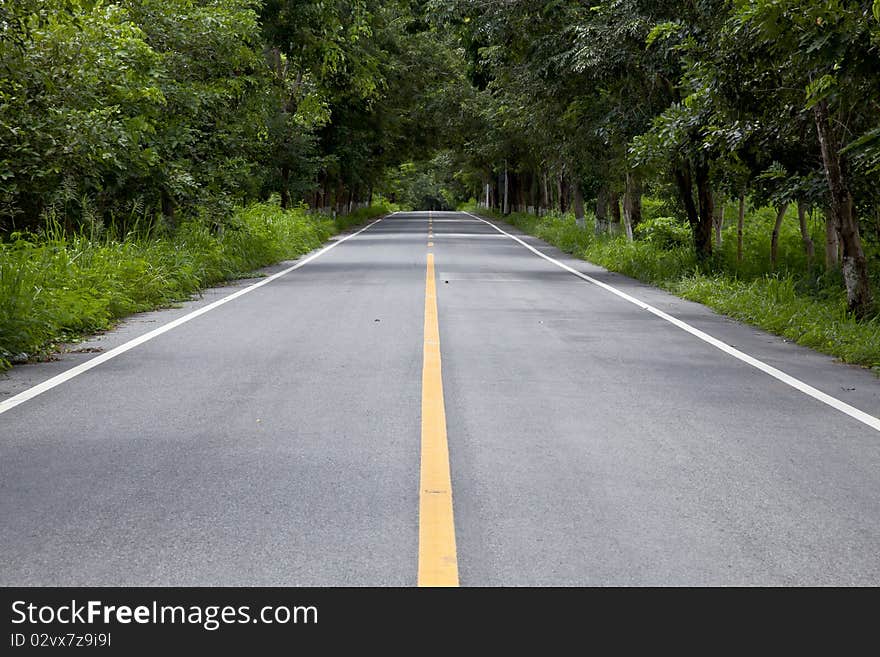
115	110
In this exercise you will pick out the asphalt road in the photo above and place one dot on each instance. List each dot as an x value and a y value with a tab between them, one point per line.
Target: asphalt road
275	439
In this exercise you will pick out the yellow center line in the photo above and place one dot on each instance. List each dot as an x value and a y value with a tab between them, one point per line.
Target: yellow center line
438	562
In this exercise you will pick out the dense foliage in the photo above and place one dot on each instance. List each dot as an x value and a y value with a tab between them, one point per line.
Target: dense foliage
712	128
115	111
62	285
696	102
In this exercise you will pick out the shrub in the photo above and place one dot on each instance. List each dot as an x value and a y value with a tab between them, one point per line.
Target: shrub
664	232
53	286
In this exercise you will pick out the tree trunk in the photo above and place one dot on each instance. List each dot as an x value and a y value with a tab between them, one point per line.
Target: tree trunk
512	192
855	266
506	209
614	202
832	243
707	211
685	184
809	247
740	221
285	187
718	220
535	194
602	210
632	204
559	193
627	226
774	239
579	218
699	216
545	192
565	191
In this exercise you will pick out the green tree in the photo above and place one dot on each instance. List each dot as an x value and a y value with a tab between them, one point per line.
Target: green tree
78	101
828	50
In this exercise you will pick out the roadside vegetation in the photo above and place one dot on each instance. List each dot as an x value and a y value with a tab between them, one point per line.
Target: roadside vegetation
56	285
703	105
797	299
149	148
149	141
726	151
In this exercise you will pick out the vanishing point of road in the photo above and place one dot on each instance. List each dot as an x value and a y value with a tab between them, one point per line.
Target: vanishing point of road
439	400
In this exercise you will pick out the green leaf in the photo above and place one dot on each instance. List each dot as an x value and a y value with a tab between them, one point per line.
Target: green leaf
661	31
820	89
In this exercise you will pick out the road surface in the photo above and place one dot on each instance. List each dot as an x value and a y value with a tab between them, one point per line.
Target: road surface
431	402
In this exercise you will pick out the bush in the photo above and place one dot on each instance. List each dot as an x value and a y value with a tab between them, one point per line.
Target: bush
54	287
653	208
664	232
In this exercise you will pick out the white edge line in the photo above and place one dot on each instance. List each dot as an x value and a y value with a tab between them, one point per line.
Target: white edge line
58	379
805	388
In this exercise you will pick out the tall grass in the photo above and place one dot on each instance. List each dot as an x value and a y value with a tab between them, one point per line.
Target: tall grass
805	304
54	286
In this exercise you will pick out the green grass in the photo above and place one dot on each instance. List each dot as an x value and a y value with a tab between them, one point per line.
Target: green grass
804	304
54	286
